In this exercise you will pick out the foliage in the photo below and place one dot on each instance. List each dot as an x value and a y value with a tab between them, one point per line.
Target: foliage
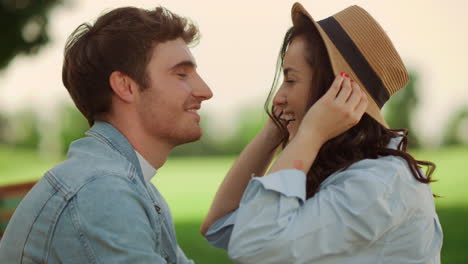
21	130
456	132
4	124
249	122
73	126
399	110
24	27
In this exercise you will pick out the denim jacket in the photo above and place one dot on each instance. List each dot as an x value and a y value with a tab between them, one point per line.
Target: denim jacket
95	207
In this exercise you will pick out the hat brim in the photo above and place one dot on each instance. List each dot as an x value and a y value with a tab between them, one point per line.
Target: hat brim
338	63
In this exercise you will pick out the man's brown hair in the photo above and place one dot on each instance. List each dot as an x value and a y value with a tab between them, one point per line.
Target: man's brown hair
120	40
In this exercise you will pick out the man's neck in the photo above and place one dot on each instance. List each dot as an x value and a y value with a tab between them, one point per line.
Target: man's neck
153	150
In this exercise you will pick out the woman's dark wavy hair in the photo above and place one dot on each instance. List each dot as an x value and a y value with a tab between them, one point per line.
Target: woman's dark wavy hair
367	140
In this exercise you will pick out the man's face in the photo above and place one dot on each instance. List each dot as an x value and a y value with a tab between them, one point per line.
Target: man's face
168	107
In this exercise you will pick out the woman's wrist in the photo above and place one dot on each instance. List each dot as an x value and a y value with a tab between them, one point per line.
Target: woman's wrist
271	135
310	137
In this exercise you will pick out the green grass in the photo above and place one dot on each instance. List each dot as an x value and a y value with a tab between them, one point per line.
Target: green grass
18	165
450	173
189	185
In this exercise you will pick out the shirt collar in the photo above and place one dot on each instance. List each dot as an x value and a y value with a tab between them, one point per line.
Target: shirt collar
393	144
146	168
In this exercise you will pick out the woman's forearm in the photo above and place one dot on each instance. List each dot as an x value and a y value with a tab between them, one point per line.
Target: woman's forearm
299	154
254	160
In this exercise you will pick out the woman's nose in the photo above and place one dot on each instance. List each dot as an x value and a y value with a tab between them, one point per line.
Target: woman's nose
280	99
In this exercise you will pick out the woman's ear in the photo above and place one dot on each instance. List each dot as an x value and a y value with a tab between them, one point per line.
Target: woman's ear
123	86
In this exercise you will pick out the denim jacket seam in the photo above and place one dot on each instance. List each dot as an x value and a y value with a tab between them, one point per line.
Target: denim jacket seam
164	225
81	236
52	227
77	223
146	195
69	192
58	185
106	141
135	180
31	227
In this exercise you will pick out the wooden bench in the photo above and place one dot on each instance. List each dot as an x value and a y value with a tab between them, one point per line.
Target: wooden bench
10	197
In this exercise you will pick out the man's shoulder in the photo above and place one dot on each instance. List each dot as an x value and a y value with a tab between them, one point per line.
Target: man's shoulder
89	159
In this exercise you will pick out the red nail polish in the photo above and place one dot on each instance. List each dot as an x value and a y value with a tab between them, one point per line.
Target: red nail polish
346	75
352	80
342	73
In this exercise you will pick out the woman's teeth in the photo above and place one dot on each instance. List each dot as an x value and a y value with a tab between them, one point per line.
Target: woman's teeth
287	118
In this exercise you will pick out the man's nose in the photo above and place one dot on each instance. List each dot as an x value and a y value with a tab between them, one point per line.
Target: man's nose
201	90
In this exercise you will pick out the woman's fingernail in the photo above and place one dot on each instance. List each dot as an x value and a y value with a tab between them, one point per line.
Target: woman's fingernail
346	75
352	80
342	73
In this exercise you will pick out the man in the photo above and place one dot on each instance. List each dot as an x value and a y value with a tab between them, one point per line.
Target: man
133	77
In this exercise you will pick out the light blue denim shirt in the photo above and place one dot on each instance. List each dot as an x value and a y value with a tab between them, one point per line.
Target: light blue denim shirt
373	212
95	207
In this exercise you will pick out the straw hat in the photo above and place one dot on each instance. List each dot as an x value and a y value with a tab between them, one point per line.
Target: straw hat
358	46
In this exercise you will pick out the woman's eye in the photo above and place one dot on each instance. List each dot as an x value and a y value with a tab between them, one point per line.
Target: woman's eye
289	81
182	75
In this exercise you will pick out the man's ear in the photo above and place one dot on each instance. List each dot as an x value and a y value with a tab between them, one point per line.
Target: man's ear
123	86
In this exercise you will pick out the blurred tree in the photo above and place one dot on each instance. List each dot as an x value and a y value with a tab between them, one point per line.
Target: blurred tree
249	122
21	130
73	126
24	27
3	128
206	146
399	110
456	132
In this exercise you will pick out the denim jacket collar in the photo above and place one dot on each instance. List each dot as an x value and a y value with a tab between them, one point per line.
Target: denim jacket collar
116	140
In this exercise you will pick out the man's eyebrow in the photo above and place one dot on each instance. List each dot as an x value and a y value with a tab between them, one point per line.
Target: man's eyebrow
185	63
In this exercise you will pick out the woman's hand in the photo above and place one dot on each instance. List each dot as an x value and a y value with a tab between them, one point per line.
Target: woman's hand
337	111
271	130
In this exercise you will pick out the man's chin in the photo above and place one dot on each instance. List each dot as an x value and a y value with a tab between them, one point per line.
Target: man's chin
194	139
189	138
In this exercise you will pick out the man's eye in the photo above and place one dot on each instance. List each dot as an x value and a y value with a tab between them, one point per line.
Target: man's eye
290	81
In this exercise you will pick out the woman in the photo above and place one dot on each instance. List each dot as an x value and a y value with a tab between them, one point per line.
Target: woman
343	189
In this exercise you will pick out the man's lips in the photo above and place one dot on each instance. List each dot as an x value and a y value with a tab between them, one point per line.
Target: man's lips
193	111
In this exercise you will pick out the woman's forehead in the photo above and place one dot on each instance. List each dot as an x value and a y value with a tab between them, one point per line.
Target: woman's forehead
294	57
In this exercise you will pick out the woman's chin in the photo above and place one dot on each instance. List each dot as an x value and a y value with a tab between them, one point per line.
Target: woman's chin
291	135
291	130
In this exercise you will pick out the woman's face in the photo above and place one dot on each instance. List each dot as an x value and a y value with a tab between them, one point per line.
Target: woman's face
294	92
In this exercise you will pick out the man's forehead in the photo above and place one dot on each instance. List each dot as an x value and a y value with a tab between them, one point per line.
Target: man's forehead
173	52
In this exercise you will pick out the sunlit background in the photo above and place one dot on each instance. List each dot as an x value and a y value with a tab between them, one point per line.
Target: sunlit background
236	56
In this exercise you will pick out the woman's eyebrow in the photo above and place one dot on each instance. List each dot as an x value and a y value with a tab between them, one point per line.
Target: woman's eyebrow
288	69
